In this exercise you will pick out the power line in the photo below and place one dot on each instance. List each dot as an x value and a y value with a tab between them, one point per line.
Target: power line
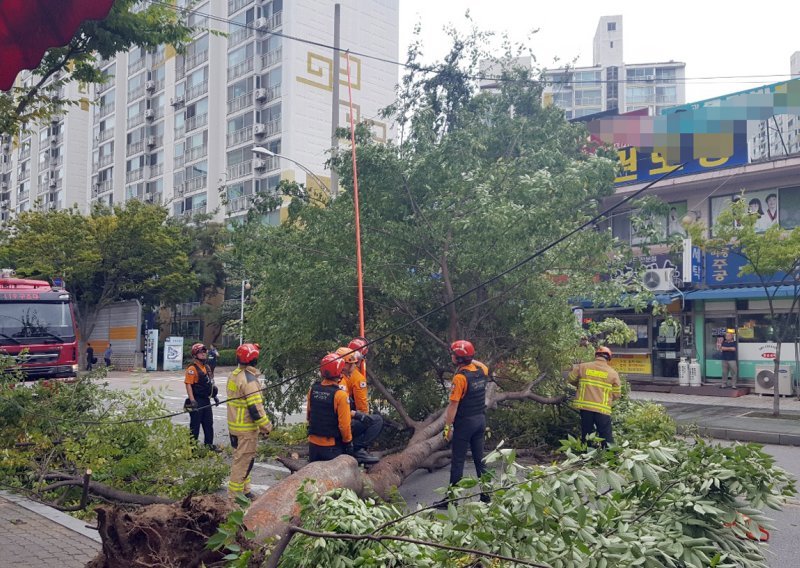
479	77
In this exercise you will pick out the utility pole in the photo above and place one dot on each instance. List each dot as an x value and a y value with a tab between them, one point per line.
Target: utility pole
337	17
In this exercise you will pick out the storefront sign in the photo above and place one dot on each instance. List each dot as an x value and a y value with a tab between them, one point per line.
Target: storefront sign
638	364
151	350
722	269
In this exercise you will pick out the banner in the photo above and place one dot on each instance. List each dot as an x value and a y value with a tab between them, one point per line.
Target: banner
635	364
151	350
173	354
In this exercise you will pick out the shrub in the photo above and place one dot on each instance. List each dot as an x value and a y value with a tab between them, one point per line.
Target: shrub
641	422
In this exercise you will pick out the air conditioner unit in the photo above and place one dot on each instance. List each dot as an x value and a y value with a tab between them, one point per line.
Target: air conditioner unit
659	279
261	24
53	182
261	94
259	128
3	185
54	140
259	164
149	114
177	101
765	380
151	140
150	85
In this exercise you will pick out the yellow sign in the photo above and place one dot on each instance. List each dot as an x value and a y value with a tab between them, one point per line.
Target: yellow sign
632	364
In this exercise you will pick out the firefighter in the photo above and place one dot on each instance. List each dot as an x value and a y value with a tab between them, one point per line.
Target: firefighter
328	413
199	387
365	426
465	417
598	385
246	417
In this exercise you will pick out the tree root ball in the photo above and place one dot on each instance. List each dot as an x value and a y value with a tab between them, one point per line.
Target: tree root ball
161	535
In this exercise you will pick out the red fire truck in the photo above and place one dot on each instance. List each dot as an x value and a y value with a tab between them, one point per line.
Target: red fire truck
37	327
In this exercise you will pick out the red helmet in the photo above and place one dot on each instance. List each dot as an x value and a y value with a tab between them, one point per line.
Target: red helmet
247	353
331	366
462	349
603	351
198	348
359	345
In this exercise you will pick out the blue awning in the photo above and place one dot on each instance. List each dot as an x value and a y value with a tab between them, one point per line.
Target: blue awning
748	293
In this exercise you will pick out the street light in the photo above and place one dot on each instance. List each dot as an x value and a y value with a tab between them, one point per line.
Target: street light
265	152
245	286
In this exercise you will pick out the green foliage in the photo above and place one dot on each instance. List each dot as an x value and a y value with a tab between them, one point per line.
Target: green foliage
233	538
531	425
611	331
49	424
149	26
641	422
658	505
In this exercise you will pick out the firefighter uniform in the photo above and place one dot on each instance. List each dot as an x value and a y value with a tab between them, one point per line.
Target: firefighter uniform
328	415
246	417
598	385
198	378
469	391
366	430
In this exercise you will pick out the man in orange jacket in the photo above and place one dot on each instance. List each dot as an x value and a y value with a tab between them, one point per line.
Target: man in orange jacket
366	427
328	413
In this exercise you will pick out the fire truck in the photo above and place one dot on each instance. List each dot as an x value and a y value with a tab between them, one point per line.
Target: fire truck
37	327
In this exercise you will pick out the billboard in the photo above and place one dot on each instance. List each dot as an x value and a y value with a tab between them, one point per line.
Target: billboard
173	354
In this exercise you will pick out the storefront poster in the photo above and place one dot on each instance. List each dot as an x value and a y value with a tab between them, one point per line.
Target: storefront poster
763	204
635	364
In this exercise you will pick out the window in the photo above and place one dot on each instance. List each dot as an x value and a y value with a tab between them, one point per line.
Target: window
197	109
666	95
200	169
241	121
240	88
591	97
272	79
612	27
634	95
240	55
196	78
197	140
270	113
665	74
240	155
136	163
269	9
640	74
240	189
135	136
240	21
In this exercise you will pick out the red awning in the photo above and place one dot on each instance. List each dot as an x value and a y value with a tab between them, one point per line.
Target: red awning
28	28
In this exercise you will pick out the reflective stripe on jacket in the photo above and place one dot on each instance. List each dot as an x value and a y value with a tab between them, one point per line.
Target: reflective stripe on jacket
245	405
598	385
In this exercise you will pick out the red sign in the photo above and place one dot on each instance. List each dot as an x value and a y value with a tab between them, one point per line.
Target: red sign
768	355
19	295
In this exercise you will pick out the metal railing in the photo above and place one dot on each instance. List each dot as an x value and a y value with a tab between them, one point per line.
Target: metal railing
136	120
134	175
272	127
179	161
134	148
136	66
23	195
195	184
239	204
196	90
271	58
240	102
56	161
102	187
196	153
105	134
103	87
25	153
271	163
156	170
103	111
238	137
105	160
196	121
195	59
273	93
180	131
136	92
240	170
275	21
240	69
236	5
239	36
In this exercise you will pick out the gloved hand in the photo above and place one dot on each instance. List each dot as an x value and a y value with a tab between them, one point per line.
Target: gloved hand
447	433
349	449
189	405
365	419
266	428
216	400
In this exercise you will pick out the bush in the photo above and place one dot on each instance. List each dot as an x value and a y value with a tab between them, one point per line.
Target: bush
529	424
641	422
227	358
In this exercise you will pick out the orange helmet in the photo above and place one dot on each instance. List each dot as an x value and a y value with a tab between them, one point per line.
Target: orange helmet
247	353
347	355
462	349
198	348
603	351
331	366
359	345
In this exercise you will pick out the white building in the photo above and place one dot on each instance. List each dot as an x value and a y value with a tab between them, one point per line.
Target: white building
179	129
779	136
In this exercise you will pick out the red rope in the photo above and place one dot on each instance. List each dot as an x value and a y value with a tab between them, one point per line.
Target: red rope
359	270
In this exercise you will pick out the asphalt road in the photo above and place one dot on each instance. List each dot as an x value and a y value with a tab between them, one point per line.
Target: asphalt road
421	486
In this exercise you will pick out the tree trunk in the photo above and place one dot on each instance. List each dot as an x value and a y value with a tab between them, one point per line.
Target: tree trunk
87	320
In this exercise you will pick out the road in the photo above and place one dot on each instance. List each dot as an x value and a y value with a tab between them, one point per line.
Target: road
421	486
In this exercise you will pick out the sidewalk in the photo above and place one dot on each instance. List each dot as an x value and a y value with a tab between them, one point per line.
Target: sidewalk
37	536
745	418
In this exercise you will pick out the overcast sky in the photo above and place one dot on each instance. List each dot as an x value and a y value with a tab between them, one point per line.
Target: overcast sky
713	38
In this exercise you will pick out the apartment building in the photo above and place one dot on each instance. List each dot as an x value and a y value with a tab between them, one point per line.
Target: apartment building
779	136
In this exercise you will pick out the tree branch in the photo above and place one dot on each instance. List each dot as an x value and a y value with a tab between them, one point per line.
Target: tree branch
398	406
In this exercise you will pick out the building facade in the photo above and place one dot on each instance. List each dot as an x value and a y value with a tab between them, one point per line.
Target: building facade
779	136
180	128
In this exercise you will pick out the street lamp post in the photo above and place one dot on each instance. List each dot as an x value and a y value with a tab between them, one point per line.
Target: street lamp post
245	286
265	152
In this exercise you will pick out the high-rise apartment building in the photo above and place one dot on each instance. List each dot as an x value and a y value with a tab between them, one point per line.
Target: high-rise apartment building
779	136
180	128
613	84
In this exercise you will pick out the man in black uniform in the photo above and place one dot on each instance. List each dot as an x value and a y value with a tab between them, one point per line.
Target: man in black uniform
465	417
328	413
199	388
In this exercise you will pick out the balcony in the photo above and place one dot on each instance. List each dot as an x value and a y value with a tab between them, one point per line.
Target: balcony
56	161
273	127
136	120
180	131
236	5
105	135
240	69
103	111
194	184
195	59
180	70
240	136
105	161
56	139
240	170
179	161
196	153
103	87
25	153
196	121
135	93
240	102
238	204
23	175
273	93
270	163
271	58
135	148
275	21
23	195
102	187
156	170
239	36
134	175
134	66
196	90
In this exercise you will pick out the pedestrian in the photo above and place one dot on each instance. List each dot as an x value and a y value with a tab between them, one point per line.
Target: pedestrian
365	426
730	368
598	385
465	416
107	355
328	413
90	360
199	389
246	418
213	356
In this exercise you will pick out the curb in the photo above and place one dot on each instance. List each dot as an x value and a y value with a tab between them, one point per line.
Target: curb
51	514
756	436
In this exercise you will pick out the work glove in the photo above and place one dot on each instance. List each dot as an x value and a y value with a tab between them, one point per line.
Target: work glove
349	449
447	433
266	428
189	405
216	400
365	419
